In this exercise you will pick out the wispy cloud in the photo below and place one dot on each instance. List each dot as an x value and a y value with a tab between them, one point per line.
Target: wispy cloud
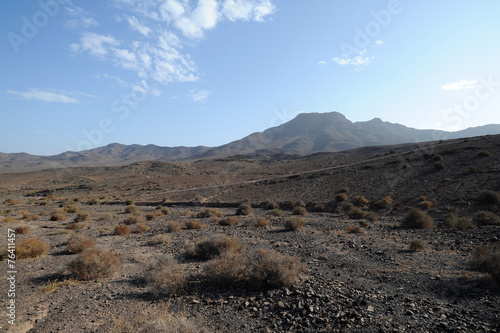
135	25
96	45
79	18
359	61
322	62
460	85
55	96
200	96
247	10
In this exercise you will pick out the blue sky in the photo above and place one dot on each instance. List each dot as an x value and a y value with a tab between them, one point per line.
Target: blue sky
83	74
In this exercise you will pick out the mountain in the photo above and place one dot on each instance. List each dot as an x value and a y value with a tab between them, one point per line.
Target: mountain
305	134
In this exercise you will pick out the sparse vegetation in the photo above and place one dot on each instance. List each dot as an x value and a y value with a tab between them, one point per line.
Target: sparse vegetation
209	212
174	226
22	230
11	202
487	261
161	239
484	153
53	285
341	197
71	209
359	200
439	166
210	248
418	219
276	213
123	229
262	222
141	227
426	204
294	224
57	217
167	276
134	219
271	205
459	223
93	263
417	245
79	243
245	209
489	197
486	218
9	219
263	269
76	226
383	203
30	248
299	210
355	229
132	209
193	225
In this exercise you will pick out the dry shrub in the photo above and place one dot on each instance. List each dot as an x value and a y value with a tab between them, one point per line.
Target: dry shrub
79	243
417	245
71	209
425	204
30	217
193	224
359	200
151	321
319	208
93	263
487	261
130	202
210	248
30	248
22	230
245	209
161	240
186	213
134	219
153	216
11	202
344	190
355	229
76	226
418	219
271	205
341	197
437	158
276	213
142	227
484	153
105	217
299	211
439	166
123	229
9	219
229	221
167	276
262	222
383	203
489	197
165	211
209	212
57	217
132	209
174	227
474	169
460	223
262	269
82	217
294	224
486	218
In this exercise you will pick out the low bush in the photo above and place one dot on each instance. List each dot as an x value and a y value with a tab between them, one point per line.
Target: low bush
484	153
76	226
130	202
319	208
161	240
79	243
11	202
262	222
299	211
245	209
30	248
22	230
486	218
341	197
132	209
383	203
418	219
93	263
174	227
167	277
417	245
9	219
229	221
71	209
294	224
276	213
359	200
210	248
141	227
459	223
487	261
134	219
57	217
489	197
123	230
263	269
271	205
209	212
426	204
193	225
439	166
355	229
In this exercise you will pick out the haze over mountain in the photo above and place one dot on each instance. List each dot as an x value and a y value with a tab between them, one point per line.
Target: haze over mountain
306	134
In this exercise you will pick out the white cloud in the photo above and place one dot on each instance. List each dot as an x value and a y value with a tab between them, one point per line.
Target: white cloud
247	10
359	61
379	42
79	18
45	95
321	62
137	26
94	44
459	85
200	96
203	17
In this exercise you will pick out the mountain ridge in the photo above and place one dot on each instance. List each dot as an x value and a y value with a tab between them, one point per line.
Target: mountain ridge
307	133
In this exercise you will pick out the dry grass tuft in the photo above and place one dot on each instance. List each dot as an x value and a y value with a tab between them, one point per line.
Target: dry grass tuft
141	228
417	245
426	204
167	277
174	227
341	197
79	243
30	248
489	197
76	226
209	212
22	230
161	240
93	263
295	224
355	229
418	219
229	221
122	229
245	209
132	209
82	217
210	248
299	211
487	261
134	219
193	225
383	203
359	200
486	218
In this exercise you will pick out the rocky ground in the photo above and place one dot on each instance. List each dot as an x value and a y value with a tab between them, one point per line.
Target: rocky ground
362	279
